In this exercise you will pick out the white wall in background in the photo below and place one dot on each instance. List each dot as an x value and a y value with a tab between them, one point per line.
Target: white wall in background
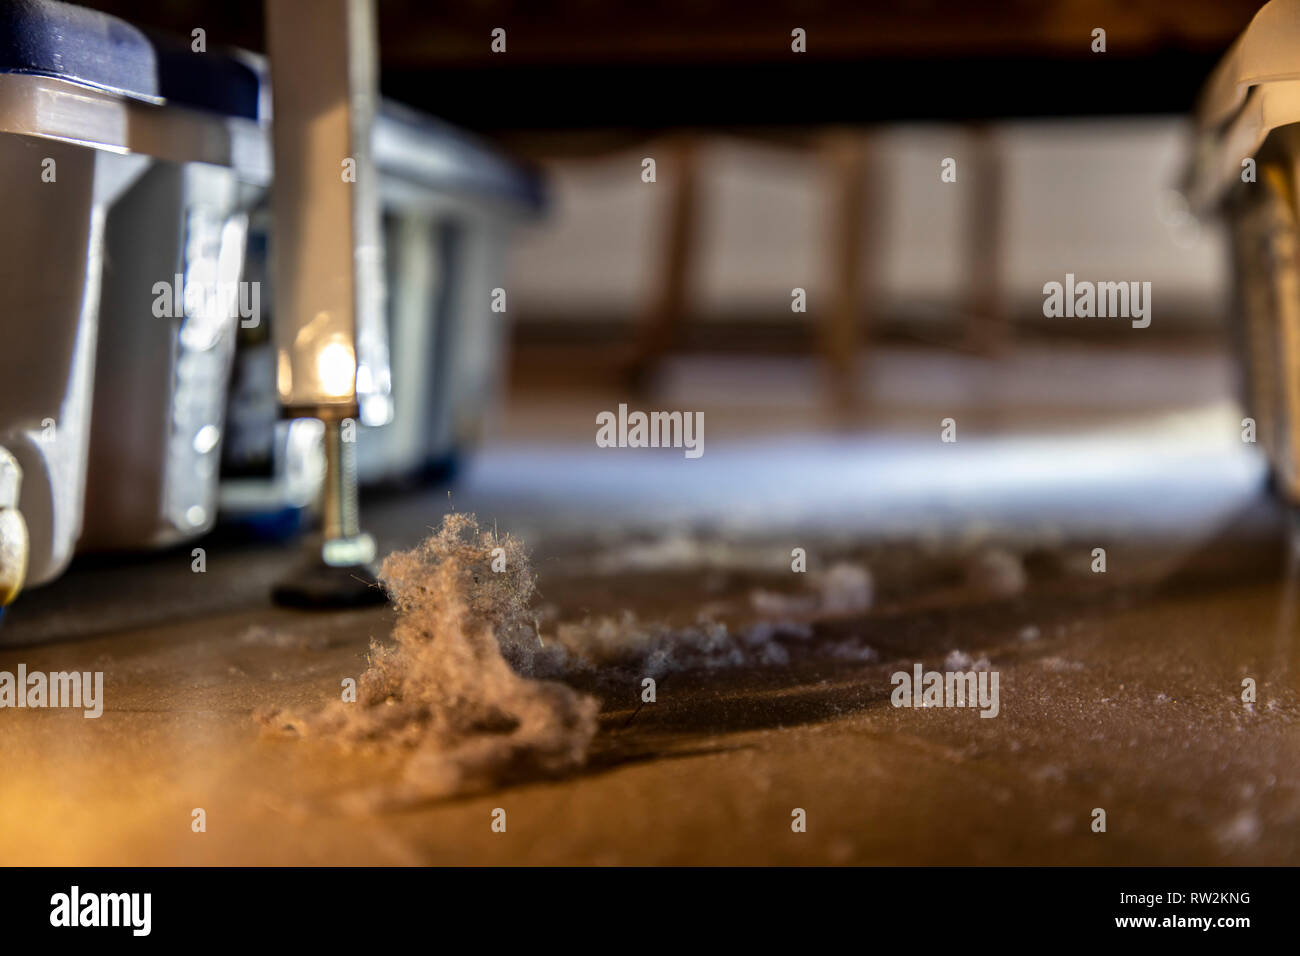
591	257
918	233
763	210
1090	197
1097	198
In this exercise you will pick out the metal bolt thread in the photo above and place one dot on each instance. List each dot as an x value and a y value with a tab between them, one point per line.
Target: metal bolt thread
339	511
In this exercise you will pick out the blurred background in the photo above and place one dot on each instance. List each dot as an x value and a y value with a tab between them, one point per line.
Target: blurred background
819	171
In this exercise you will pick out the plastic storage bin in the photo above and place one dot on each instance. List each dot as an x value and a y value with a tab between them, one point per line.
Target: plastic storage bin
449	204
88	104
1246	169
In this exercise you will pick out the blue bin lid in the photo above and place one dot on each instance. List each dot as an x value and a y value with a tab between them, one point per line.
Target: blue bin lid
67	42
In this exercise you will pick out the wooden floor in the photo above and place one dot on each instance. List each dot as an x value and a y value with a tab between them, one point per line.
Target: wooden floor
1120	691
1127	704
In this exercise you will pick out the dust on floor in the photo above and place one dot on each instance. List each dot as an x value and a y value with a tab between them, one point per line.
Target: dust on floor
1120	691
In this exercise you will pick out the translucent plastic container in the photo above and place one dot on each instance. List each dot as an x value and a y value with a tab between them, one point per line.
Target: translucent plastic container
88	107
449	205
1246	170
